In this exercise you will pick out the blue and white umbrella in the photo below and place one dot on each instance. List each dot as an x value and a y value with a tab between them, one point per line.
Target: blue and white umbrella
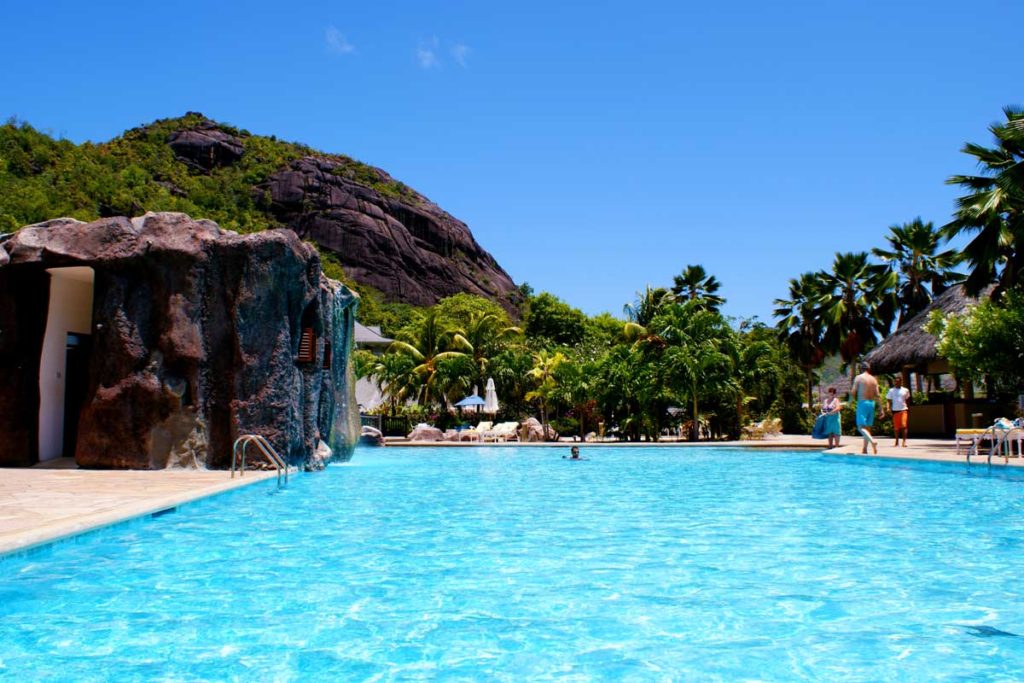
473	402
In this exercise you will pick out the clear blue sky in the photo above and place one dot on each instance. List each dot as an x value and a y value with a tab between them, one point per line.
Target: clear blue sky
592	147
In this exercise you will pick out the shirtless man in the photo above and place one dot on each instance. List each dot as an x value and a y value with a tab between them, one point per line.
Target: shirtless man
865	395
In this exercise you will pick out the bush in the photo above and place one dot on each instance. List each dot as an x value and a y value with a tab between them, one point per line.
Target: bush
565	426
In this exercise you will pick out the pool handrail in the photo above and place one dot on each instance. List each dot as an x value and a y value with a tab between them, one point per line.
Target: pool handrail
265	448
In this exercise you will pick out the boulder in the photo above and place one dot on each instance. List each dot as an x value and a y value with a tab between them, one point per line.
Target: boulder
195	340
400	243
206	146
371	436
534	431
424	432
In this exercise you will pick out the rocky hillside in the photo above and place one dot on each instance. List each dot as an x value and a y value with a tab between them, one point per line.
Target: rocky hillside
384	234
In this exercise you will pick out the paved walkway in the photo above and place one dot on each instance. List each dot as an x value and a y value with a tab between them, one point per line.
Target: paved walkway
935	450
43	504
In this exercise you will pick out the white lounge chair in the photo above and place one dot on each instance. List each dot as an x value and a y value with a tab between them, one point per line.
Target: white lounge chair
475	433
1001	435
504	432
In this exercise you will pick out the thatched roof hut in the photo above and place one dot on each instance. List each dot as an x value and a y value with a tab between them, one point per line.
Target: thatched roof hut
910	348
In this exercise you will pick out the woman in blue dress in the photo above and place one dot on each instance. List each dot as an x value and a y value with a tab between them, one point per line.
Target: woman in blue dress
828	424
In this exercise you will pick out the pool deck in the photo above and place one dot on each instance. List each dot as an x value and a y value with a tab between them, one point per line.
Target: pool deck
926	450
47	503
39	505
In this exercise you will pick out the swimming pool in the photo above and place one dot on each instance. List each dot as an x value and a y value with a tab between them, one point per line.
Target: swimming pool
512	564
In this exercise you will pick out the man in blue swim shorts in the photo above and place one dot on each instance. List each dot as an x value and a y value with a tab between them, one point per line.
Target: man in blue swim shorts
865	393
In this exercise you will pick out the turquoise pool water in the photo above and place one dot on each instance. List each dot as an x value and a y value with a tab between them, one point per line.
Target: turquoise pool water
512	564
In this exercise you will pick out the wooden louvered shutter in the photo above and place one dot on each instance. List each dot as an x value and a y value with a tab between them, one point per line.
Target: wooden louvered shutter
307	346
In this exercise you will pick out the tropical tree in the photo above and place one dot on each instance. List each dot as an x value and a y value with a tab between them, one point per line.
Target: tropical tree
549	320
394	373
459	310
700	353
631	391
429	345
924	271
992	211
858	305
759	372
986	341
773	382
694	283
645	307
800	325
509	370
486	335
576	381
543	374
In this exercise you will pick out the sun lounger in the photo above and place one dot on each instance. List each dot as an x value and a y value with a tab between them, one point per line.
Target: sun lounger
1014	436
762	429
1001	436
475	433
970	438
504	432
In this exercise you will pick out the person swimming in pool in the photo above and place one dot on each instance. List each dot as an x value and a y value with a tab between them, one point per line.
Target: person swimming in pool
865	393
575	451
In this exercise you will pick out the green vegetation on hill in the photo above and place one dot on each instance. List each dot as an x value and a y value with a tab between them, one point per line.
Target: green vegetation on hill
42	177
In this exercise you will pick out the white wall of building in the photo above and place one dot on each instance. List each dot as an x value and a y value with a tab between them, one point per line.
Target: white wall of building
70	311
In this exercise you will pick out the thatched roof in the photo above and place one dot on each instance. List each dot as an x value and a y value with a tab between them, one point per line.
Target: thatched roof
910	344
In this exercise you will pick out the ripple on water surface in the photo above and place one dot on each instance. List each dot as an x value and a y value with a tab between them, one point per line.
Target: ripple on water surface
512	564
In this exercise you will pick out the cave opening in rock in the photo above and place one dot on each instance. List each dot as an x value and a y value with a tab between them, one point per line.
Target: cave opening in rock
64	360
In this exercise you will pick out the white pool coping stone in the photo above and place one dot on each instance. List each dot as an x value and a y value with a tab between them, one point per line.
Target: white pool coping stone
42	506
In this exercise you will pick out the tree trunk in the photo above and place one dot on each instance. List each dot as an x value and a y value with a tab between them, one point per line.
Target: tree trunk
695	433
543	420
810	387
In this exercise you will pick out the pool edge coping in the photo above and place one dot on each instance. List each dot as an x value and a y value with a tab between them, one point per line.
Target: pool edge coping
28	541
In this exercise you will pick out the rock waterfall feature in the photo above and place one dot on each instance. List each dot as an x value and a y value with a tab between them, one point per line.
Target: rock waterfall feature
195	336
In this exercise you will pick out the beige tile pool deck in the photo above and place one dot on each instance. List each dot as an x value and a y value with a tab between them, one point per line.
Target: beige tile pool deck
41	505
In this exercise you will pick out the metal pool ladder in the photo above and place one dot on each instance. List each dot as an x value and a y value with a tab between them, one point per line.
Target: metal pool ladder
265	448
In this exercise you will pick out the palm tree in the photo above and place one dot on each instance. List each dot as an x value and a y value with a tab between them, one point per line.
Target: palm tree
701	353
483	338
694	283
429	346
858	305
993	209
542	373
646	306
924	271
759	373
394	373
800	325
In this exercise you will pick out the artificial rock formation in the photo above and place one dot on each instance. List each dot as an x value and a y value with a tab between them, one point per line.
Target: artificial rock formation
196	337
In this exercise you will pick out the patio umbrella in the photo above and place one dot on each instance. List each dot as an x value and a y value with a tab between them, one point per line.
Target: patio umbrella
491	400
473	402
